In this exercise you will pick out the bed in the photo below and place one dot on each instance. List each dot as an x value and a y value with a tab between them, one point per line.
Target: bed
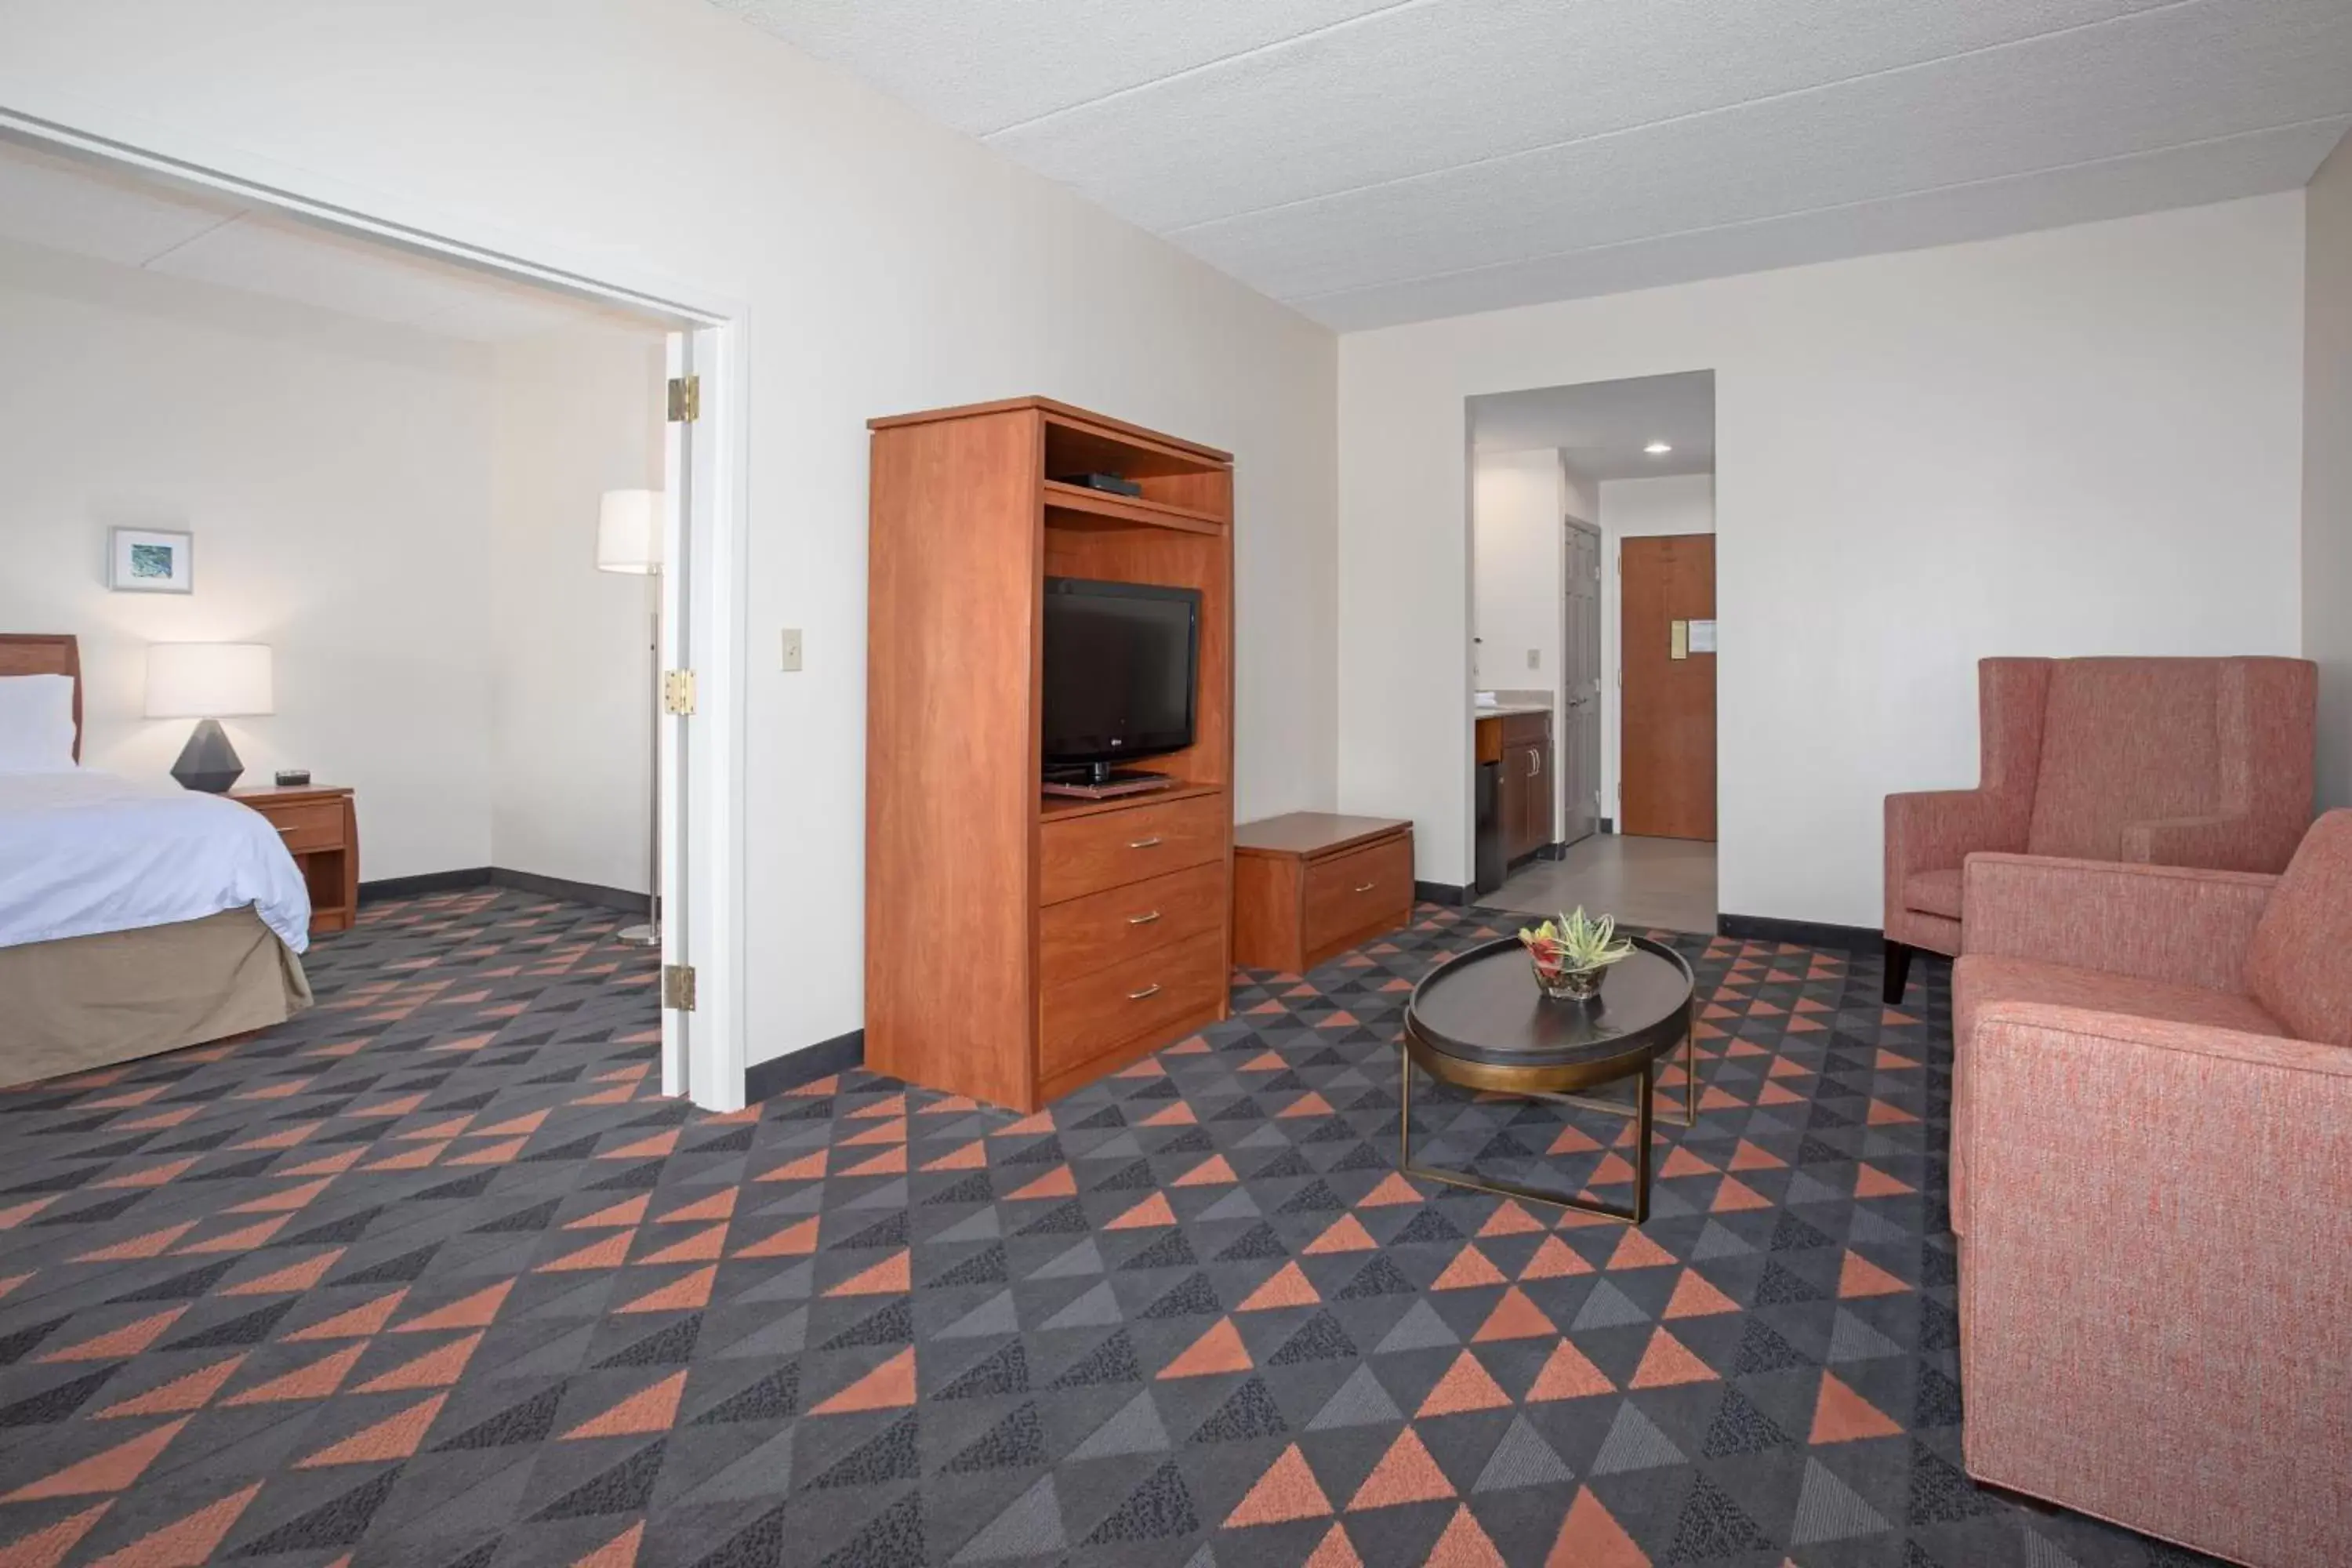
135	916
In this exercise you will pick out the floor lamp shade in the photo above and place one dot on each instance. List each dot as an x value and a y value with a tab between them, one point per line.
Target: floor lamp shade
209	682
629	531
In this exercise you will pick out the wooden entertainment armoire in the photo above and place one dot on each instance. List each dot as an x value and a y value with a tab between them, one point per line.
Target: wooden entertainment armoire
1018	945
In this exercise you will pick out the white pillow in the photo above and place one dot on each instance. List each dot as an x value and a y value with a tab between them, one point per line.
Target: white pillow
37	724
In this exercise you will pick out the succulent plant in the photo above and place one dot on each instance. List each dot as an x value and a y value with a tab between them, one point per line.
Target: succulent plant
1575	942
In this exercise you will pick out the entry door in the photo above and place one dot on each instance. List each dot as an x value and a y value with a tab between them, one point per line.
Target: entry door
1579	739
1666	744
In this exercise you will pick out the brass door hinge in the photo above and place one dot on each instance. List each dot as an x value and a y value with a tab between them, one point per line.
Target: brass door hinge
685	399
678	692
677	986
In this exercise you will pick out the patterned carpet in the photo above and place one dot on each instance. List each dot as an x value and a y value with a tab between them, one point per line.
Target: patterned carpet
432	1277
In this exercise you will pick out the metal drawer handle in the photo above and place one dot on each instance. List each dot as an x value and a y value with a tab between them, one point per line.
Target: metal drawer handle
1153	990
1150	843
1365	889
1143	919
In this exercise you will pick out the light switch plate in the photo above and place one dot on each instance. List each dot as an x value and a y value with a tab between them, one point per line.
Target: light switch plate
1534	658
791	649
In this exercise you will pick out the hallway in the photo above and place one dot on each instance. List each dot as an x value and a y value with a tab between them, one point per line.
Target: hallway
1661	883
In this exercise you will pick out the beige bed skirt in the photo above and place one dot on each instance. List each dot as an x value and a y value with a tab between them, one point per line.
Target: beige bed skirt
92	1001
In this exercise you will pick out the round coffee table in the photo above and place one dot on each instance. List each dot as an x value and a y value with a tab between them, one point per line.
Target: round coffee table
1479	1021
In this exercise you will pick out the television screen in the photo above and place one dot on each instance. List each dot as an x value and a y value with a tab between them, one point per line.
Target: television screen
1120	665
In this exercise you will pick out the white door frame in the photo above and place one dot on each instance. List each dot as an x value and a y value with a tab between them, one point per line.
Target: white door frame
703	1054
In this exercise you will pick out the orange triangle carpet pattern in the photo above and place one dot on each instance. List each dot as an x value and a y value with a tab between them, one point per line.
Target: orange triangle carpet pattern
433	1276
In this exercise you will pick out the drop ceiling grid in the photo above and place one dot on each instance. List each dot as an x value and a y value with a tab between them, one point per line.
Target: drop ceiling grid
1374	162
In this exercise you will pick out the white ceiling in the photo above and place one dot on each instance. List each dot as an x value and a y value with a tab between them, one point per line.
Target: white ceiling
1373	162
117	216
1602	426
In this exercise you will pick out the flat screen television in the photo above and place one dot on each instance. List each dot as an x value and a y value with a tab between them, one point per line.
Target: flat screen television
1120	664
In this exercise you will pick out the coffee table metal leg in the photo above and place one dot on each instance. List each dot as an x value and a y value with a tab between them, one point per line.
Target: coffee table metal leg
1618	1108
1640	1112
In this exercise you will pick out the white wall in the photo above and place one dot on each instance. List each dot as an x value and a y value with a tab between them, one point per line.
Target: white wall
2085	440
570	668
886	265
1633	509
1518	500
2327	466
337	477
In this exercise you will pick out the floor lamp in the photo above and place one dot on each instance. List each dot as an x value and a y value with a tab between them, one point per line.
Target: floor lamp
629	540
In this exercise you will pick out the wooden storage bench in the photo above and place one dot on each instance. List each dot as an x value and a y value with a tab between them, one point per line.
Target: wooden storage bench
1312	884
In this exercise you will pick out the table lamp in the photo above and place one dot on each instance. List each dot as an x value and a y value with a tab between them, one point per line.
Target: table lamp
208	681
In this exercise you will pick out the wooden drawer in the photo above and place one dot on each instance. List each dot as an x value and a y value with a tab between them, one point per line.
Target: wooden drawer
1490	741
1109	849
1364	889
318	826
1083	1019
1082	935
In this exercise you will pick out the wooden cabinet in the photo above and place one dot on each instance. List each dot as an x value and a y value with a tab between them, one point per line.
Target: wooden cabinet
321	829
1313	883
1522	743
1019	945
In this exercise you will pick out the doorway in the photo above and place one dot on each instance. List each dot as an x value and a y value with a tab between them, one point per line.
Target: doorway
1593	520
694	528
1667	650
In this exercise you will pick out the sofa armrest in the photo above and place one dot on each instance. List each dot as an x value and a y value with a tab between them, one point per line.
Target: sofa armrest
2155	922
1934	830
2222	843
2160	1241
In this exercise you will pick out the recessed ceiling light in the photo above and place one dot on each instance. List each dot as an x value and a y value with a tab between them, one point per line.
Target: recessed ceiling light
1658	448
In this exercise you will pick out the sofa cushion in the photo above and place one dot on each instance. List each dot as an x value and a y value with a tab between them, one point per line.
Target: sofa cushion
2299	965
1983	979
1933	893
2123	740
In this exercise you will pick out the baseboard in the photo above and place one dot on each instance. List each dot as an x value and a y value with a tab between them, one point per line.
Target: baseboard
1799	934
424	882
577	892
1552	852
778	1075
499	876
1608	825
1445	893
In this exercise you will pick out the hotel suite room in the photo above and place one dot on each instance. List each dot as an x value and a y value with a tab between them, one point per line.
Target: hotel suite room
987	1164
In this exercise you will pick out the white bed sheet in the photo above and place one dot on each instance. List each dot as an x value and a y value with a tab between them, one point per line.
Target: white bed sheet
85	852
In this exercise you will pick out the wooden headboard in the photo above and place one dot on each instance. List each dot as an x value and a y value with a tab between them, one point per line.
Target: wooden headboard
42	653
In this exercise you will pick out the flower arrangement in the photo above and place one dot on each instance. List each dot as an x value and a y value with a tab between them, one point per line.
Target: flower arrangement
1570	953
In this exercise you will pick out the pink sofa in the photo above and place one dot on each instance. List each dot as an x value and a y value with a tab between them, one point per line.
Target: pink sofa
2166	761
2152	1178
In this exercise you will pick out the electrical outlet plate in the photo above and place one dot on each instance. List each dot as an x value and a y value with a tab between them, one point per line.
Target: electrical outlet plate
1534	658
791	649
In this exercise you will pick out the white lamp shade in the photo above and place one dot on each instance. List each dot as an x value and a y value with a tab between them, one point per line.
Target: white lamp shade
208	679
629	531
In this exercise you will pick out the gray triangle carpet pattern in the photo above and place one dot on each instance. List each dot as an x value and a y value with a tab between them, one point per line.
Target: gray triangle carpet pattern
434	1277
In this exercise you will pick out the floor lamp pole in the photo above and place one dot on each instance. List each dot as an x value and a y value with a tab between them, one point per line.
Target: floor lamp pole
649	934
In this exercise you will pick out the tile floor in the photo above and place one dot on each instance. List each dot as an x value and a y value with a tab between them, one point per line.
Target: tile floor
1667	884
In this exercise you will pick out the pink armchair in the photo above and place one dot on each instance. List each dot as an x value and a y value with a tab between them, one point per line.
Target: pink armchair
2152	1177
2166	762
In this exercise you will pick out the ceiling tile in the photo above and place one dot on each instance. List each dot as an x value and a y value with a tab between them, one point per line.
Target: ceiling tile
2211	171
980	65
2189	74
66	204
1435	87
1379	162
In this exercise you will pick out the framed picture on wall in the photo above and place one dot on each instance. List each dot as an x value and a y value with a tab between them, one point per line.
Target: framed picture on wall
149	561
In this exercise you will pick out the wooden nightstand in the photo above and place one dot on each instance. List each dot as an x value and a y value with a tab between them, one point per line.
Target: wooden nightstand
322	829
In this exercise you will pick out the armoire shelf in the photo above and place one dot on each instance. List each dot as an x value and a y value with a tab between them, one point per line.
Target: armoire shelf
1020	944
